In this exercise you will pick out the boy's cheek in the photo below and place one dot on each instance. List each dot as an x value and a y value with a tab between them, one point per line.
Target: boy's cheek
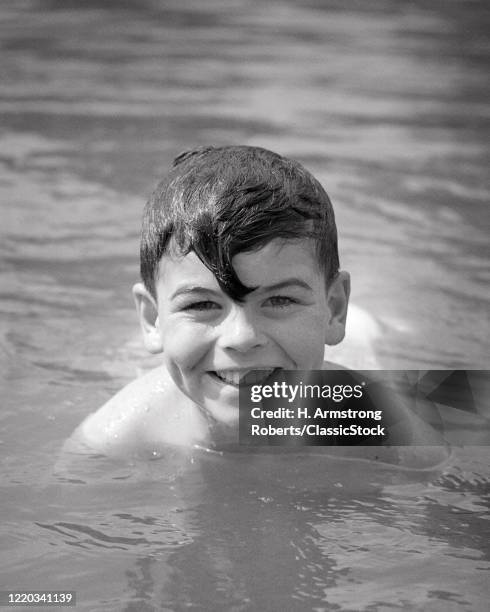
183	348
309	346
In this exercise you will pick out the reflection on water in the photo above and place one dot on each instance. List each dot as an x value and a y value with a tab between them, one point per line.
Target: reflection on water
386	103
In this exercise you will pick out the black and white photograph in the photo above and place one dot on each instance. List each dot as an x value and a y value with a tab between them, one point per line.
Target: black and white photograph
244	305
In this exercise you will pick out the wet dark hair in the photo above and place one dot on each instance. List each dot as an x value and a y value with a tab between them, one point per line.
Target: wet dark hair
221	201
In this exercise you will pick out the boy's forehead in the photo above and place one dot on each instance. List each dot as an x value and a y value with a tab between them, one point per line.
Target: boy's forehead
273	263
276	260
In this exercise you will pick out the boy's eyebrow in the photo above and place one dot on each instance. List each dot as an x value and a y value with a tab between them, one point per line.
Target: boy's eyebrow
288	282
190	289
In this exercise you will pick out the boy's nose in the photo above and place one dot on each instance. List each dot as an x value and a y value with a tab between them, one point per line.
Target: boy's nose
240	332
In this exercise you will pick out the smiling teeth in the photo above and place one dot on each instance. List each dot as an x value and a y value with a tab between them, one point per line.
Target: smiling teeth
239	377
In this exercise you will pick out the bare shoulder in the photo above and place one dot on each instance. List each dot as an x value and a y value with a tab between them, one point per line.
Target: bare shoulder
148	411
414	444
330	365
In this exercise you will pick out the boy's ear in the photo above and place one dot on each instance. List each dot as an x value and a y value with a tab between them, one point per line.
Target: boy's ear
337	301
147	310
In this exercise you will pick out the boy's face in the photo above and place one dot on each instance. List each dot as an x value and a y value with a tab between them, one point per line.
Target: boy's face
211	343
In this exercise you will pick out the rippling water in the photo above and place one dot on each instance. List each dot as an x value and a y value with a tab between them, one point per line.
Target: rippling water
387	103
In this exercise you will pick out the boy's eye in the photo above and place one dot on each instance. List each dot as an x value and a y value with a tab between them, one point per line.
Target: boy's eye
201	305
280	301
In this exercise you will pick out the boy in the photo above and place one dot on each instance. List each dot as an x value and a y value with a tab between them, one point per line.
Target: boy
241	277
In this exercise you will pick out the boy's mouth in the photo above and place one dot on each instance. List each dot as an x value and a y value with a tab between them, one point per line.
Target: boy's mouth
243	378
